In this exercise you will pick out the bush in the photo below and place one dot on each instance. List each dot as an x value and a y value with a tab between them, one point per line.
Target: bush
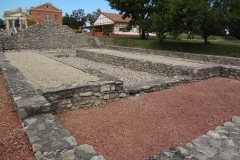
78	31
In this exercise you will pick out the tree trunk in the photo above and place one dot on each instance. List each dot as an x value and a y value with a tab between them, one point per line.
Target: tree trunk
205	40
237	36
143	36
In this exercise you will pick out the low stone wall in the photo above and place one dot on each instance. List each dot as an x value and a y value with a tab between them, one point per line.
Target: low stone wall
29	102
85	95
232	72
199	57
47	35
1	47
151	67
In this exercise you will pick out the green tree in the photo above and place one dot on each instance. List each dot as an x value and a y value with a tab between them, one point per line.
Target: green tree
1	21
138	10
232	20
197	16
75	20
92	16
66	19
161	19
78	18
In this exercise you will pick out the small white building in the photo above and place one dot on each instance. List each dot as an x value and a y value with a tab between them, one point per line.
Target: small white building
12	15
112	23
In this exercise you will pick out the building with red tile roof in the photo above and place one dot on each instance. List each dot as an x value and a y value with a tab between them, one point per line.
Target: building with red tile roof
112	24
47	11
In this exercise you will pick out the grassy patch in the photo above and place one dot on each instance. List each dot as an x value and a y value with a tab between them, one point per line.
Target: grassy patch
226	48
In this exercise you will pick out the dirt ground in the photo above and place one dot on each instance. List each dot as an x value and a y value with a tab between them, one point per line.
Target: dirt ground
14	144
146	125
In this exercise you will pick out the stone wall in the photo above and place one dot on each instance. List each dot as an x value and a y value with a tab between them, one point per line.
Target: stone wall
29	102
1	47
199	57
85	95
47	35
151	67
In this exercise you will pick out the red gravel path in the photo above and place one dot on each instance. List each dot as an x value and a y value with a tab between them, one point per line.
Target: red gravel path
137	127
13	141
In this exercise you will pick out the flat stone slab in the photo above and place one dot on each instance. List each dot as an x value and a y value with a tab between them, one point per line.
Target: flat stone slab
42	72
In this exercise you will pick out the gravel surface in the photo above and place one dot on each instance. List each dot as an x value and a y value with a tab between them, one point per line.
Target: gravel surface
14	144
43	72
134	128
128	76
149	57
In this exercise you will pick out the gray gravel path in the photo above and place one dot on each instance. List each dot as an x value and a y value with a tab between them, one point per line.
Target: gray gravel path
128	76
43	72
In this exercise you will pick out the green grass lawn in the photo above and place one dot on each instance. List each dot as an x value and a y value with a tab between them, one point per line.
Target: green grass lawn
229	48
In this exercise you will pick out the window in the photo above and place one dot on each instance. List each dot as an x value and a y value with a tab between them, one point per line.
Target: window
47	16
47	6
39	15
121	29
56	17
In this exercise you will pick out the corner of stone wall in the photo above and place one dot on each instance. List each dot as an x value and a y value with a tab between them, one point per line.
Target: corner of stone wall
96	42
85	95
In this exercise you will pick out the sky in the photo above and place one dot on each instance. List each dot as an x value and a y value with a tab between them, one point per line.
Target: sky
66	5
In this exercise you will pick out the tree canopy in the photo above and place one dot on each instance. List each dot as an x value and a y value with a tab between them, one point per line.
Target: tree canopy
139	11
92	16
204	17
1	21
76	19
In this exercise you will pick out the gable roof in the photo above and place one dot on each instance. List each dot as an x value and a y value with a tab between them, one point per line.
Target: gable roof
115	17
17	10
38	7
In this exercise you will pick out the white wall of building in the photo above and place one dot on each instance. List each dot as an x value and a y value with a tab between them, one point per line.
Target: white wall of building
118	27
103	20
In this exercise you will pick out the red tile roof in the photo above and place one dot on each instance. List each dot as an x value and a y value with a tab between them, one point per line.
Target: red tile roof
116	17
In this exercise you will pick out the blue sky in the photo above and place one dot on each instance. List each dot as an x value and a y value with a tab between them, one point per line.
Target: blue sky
66	5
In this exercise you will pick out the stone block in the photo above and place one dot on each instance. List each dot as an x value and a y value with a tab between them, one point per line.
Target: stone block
66	101
38	155
36	147
106	97
85	94
236	119
68	155
114	95
113	88
22	114
71	141
97	158
105	88
85	151
69	106
122	95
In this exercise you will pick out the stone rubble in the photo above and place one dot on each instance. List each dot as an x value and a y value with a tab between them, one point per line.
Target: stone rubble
48	35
